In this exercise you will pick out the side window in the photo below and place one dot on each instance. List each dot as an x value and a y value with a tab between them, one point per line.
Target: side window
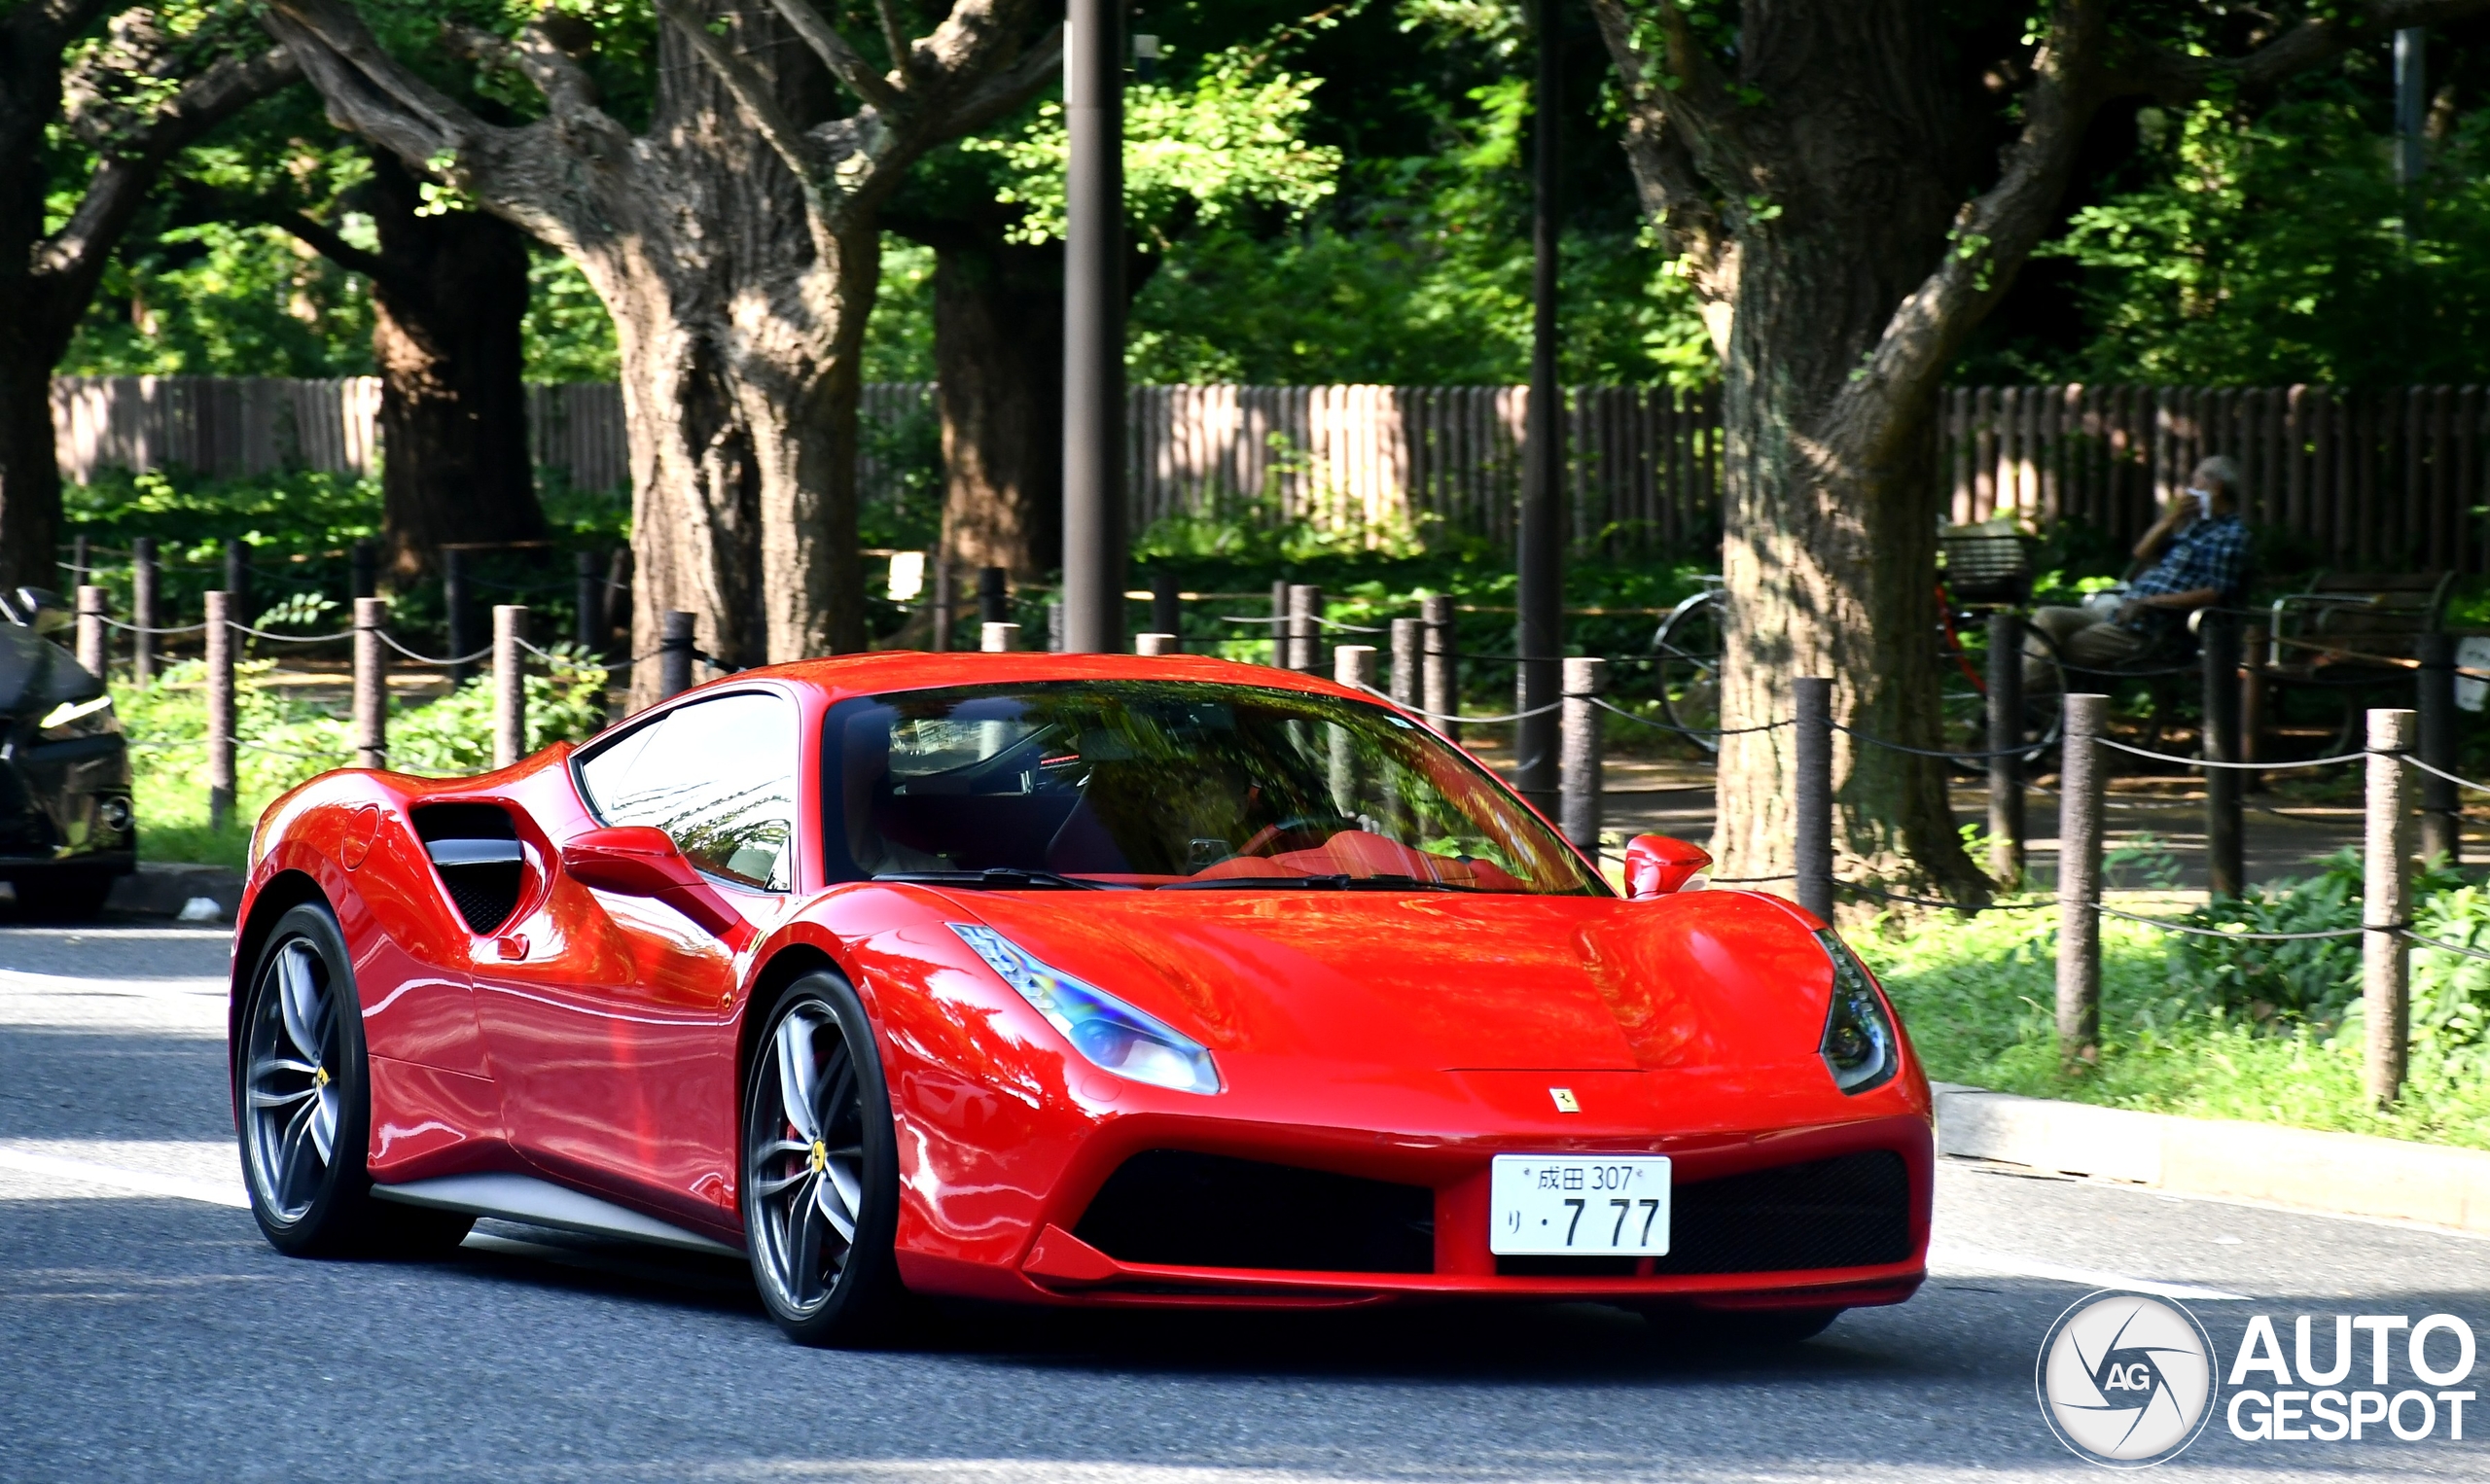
719	776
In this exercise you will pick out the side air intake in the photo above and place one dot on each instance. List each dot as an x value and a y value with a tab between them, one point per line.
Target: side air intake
475	850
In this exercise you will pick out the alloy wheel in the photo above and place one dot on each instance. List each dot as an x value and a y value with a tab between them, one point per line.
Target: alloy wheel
803	1180
292	1099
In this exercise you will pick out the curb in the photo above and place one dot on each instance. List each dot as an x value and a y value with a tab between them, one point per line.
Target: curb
2342	1173
159	888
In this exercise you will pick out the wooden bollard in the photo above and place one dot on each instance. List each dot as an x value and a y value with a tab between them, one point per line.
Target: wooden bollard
1353	666
1440	681
998	638
1578	753
945	601
1811	707
587	588
1279	624
371	682
1304	627
1155	643
509	683
2442	802
2386	907
2079	776
93	656
1166	604
220	712
454	608
142	610
1409	660
675	643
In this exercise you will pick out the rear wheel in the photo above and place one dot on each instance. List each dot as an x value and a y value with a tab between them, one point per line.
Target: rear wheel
821	1170
303	1104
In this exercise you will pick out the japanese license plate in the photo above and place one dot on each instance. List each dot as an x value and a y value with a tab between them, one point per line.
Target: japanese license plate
1578	1205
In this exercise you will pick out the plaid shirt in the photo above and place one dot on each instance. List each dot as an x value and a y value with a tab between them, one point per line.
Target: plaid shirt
2210	553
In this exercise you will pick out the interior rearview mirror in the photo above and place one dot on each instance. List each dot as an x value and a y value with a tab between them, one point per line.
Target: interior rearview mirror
1657	865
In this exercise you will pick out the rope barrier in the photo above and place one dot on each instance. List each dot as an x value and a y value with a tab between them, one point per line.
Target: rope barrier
427	659
2167	926
261	633
2255	767
2025	749
2418	942
1748	880
140	628
1967	910
2477	788
1690	731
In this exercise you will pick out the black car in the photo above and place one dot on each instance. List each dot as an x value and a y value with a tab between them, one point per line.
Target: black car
65	825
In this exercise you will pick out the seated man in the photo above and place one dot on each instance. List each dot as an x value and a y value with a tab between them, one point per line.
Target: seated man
2199	554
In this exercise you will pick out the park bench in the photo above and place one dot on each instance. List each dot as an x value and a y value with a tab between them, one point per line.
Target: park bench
2354	632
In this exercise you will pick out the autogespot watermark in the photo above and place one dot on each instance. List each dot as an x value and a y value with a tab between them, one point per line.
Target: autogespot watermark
2128	1380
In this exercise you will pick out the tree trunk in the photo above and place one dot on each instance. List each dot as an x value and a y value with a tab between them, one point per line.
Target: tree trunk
449	296
29	467
998	349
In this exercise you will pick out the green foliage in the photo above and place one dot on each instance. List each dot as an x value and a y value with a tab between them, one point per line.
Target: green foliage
2182	1031
2273	250
899	335
1228	140
566	336
290	736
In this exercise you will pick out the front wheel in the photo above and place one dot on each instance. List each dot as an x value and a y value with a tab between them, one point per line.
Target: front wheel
821	1170
303	1104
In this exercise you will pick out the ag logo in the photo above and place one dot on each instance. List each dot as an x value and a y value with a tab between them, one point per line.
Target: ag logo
2126	1381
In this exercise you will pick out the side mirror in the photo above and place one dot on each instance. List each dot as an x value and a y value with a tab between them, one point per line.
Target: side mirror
643	861
1657	865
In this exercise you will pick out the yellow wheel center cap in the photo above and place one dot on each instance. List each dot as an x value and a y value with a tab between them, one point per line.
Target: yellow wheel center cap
319	1077
819	1158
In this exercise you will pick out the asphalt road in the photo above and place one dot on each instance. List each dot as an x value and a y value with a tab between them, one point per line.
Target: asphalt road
146	1333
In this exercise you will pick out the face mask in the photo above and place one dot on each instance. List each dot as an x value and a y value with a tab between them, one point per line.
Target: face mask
2204	499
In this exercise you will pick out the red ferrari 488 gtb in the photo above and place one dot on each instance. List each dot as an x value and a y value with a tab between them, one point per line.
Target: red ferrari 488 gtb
1064	979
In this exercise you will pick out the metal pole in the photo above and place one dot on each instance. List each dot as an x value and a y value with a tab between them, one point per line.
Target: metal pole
371	684
1156	644
1055	629
1811	704
2079	880
1539	629
1442	676
453	606
1409	660
1093	328
589	627
2256	644
946	601
675	643
509	683
362	570
220	712
2412	109
1579	780
1304	634
2385	879
142	609
2006	730
2225	852
92	654
998	638
2441	805
1166	605
238	579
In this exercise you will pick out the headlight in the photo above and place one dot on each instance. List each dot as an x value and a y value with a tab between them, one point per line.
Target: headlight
90	718
1860	1047
1109	1033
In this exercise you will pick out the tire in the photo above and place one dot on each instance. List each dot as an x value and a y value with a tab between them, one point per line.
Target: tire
303	1105
819	1154
1738	1328
63	896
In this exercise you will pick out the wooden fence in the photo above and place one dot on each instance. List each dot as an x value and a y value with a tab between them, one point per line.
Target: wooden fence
2387	479
1366	463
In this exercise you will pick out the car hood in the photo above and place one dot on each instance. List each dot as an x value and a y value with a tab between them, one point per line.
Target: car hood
1456	982
36	673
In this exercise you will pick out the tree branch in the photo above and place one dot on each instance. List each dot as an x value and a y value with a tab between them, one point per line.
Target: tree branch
1008	88
2175	78
367	91
843	61
567	89
895	37
75	254
1666	178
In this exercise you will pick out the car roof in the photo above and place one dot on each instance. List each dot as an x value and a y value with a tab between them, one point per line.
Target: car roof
882	671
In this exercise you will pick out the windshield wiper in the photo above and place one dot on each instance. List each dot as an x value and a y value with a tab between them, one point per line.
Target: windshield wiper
996	878
1332	883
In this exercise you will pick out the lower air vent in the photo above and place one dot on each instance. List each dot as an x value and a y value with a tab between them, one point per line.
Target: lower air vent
1174	1209
475	848
1850	1211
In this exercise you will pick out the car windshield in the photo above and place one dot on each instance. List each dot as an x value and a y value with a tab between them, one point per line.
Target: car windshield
1170	785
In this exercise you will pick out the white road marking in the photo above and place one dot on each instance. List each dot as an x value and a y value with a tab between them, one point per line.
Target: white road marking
86	1172
1972	1261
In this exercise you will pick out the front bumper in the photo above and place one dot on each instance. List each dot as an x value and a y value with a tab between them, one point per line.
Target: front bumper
66	806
